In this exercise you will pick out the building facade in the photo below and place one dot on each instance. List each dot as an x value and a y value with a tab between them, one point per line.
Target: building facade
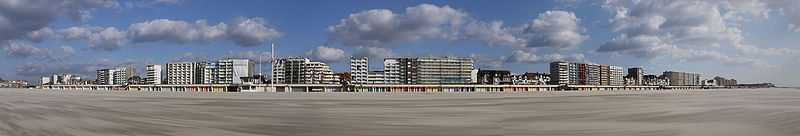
495	77
359	70
391	71
304	71
720	81
121	75
182	73
636	75
154	74
682	78
435	70
560	73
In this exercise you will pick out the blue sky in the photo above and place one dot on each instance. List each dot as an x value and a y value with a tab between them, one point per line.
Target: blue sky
751	41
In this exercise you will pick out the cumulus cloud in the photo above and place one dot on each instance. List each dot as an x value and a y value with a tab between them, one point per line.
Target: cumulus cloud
556	30
250	55
642	46
382	27
327	54
783	51
191	57
374	52
487	61
109	39
19	18
241	31
656	23
85	69
551	30
66	52
684	55
16	49
39	35
76	33
529	57
493	34
790	9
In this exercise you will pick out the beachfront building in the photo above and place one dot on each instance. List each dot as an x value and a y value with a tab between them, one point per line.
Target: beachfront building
435	70
560	73
121	75
720	81
154	74
682	78
565	73
494	77
304	71
182	73
391	71
636	75
104	77
359	70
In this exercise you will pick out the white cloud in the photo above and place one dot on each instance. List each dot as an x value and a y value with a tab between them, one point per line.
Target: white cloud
790	9
18	18
675	22
486	61
109	39
551	30
374	52
529	57
493	34
784	51
642	46
264	57
16	49
242	31
382	27
76	33
39	35
684	55
191	57
327	54
66	53
555	30
85	69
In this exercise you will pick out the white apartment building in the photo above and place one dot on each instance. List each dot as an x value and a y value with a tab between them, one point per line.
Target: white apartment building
154	75
391	71
181	73
304	71
376	77
559	73
616	75
230	71
121	75
359	69
104	77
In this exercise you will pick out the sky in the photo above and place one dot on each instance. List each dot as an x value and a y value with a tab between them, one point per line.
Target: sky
753	41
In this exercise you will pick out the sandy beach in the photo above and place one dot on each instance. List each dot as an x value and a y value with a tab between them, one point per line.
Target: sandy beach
744	112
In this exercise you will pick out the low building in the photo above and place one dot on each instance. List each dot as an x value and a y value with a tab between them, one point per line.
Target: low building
494	77
725	82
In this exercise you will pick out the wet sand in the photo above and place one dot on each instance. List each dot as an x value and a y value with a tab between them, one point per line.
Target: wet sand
745	112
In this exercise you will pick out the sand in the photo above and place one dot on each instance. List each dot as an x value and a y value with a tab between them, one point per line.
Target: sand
744	112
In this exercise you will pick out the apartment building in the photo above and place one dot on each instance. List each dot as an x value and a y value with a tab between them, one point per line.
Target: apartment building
560	73
304	71
182	73
435	70
565	73
154	74
682	78
104	77
391	71
636	75
359	70
121	75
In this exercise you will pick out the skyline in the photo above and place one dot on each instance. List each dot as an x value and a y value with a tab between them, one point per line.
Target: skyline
751	41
